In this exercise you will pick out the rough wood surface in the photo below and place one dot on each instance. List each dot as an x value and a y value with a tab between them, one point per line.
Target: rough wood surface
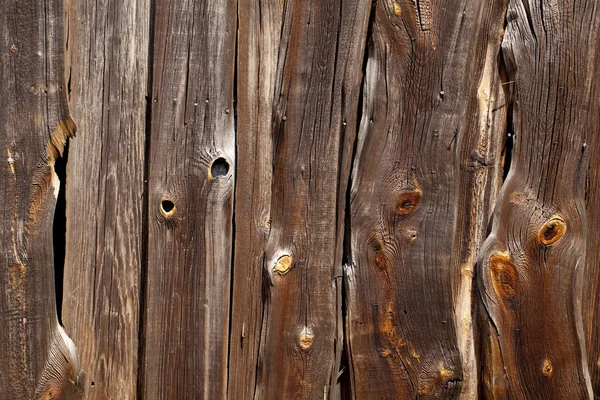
258	40
107	48
428	132
191	180
37	358
297	122
533	263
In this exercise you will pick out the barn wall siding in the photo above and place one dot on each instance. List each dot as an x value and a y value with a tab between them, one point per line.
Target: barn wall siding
339	199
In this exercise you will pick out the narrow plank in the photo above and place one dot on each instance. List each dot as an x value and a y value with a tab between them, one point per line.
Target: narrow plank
107	47
425	175
532	265
590	294
191	180
258	42
38	359
312	128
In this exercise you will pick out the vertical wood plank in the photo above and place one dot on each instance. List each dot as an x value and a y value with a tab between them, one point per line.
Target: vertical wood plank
311	128
108	53
425	175
38	358
192	165
258	40
532	265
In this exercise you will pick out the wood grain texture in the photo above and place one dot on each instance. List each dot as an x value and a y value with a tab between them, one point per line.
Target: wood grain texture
532	265
258	40
425	175
37	357
108	57
191	180
297	117
299	105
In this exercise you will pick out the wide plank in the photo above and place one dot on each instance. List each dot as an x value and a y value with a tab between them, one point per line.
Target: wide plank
107	53
190	201
425	175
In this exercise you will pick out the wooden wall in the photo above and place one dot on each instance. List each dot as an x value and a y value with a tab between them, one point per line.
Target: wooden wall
294	199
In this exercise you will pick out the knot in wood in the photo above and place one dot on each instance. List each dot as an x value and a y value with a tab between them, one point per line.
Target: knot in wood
408	202
504	275
306	339
552	230
547	368
283	265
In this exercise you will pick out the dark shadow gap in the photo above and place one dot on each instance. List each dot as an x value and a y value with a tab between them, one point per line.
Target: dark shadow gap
507	86
59	230
220	167
145	211
345	374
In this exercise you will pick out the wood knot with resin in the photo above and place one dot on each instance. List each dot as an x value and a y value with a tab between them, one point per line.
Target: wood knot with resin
283	265
306	339
408	202
504	275
552	230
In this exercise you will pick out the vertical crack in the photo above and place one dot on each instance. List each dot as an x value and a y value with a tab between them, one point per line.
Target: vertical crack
345	376
59	229
232	260
143	284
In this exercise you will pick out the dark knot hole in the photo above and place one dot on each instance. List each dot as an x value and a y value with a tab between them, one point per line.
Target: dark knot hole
219	167
167	206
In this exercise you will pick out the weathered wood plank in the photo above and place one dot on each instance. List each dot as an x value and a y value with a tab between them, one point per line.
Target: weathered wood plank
533	261
258	40
191	179
107	47
37	358
297	122
425	175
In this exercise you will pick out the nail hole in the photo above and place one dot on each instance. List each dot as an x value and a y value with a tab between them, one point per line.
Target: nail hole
219	167
167	207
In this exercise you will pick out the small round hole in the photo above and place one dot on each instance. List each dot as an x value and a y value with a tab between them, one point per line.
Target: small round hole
92	384
167	206
219	167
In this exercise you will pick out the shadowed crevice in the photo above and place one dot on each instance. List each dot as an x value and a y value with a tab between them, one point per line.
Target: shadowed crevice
59	229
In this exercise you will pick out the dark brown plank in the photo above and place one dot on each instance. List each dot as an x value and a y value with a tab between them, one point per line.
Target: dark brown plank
590	293
191	180
108	52
297	123
258	41
531	271
425	176
38	360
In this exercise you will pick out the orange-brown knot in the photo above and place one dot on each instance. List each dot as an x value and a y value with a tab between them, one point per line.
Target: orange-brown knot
552	230
504	275
408	202
283	265
380	261
547	368
306	339
167	208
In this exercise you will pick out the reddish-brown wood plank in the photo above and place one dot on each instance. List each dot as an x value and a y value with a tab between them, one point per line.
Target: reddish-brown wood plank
298	86
532	265
425	175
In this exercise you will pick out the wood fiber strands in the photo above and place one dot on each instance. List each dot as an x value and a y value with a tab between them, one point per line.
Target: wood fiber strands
424	178
190	200
532	266
38	359
107	58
